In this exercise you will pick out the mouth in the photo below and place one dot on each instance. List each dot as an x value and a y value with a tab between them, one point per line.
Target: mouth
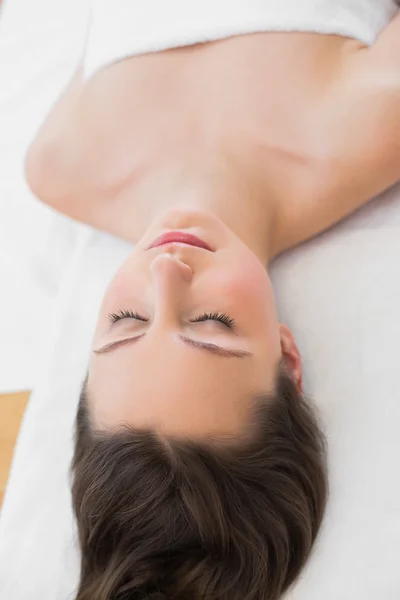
181	238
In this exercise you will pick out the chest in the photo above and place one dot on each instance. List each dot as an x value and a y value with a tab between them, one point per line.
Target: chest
253	91
257	98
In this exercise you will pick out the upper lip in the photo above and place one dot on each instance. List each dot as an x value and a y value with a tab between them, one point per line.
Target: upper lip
180	237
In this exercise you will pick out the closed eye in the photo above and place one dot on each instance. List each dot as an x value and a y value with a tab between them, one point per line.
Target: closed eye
126	314
211	316
215	316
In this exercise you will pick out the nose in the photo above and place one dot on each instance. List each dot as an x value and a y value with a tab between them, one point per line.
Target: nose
171	277
167	267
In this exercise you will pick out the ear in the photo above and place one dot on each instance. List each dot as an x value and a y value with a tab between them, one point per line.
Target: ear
291	356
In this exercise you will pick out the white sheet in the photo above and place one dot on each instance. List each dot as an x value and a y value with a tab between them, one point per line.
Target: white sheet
39	45
339	293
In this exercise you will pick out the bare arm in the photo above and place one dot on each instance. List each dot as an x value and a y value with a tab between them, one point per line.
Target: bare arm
57	148
360	141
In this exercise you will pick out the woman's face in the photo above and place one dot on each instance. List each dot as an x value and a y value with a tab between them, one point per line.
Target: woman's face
187	336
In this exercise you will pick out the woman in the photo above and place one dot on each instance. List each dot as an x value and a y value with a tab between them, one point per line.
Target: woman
199	467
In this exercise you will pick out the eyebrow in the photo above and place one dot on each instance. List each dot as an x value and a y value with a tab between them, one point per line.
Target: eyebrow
206	346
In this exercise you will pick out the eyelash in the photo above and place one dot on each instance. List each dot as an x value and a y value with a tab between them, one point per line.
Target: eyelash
125	314
214	316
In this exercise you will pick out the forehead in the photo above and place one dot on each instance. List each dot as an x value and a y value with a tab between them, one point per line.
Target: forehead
173	388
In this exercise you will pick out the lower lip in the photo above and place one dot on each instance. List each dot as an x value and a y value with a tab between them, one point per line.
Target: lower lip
178	237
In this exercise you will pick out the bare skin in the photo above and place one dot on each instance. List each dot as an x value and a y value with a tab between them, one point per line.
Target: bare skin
254	144
317	132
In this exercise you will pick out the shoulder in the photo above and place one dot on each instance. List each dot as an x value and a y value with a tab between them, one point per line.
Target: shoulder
353	145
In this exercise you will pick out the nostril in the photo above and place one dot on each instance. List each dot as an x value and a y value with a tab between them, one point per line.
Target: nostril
187	270
171	263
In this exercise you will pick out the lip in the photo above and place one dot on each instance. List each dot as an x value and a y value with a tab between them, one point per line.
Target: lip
180	237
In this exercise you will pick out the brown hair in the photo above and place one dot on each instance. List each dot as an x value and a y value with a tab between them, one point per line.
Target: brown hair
181	520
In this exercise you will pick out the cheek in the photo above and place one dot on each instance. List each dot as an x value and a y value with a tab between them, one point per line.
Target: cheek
124	289
244	289
246	284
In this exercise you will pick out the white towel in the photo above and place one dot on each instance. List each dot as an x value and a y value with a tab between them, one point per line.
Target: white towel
122	28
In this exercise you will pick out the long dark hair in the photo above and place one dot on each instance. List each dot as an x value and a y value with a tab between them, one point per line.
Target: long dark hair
179	520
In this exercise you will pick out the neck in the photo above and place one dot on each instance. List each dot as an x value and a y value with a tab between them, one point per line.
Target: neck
232	188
